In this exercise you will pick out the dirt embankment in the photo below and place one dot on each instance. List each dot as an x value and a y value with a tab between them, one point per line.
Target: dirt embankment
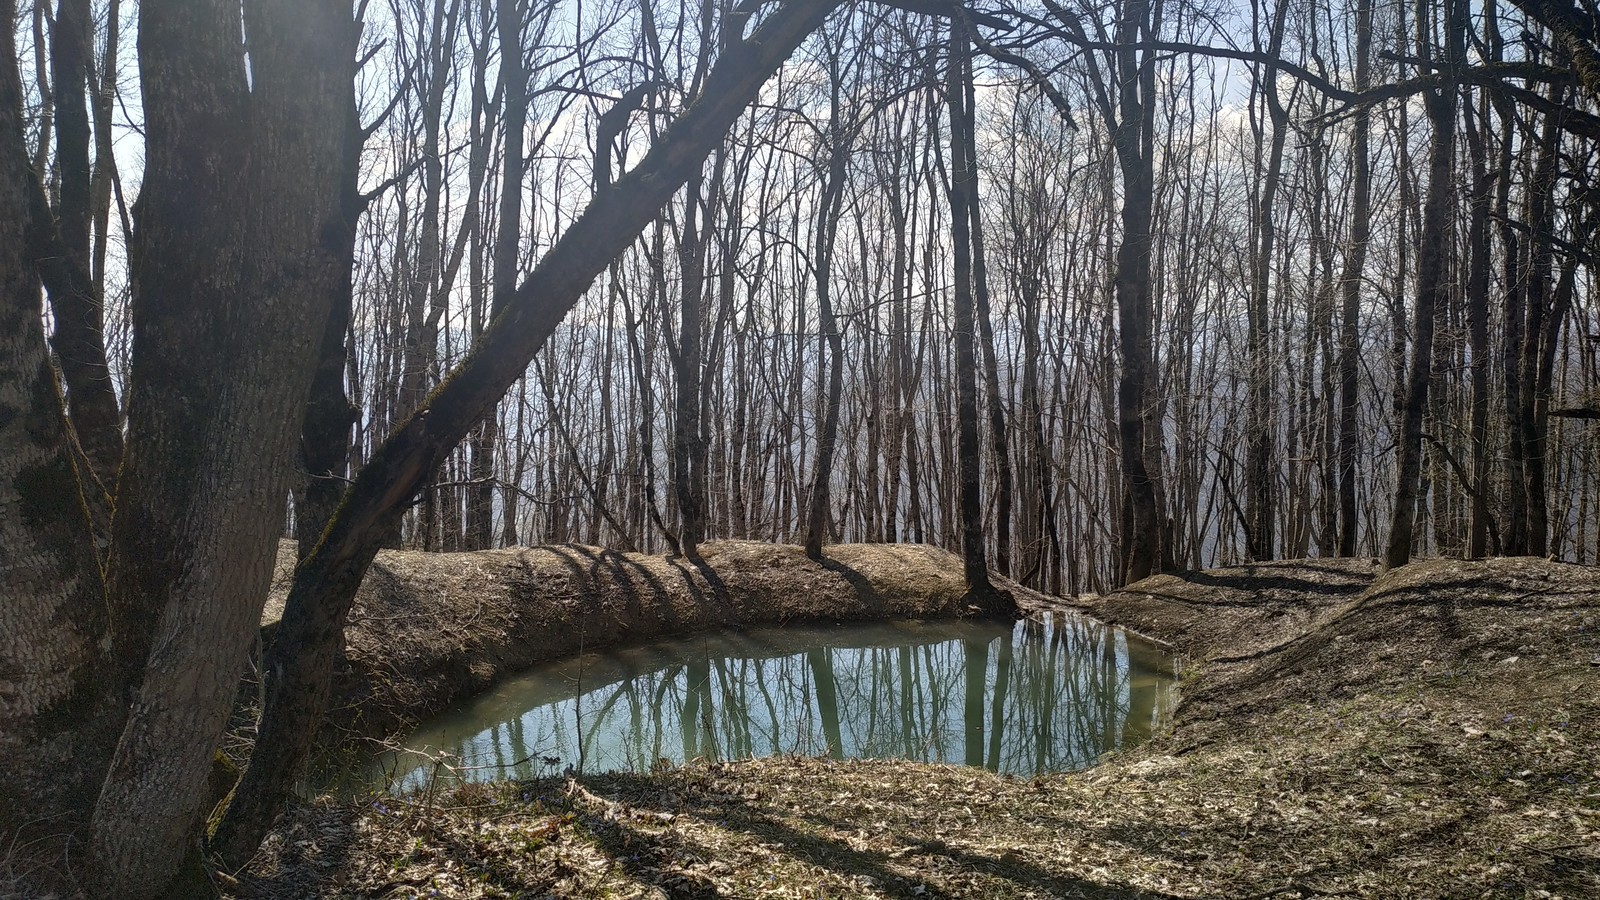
429	629
1430	732
1275	634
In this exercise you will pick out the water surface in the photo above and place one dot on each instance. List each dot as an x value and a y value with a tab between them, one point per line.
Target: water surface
1043	695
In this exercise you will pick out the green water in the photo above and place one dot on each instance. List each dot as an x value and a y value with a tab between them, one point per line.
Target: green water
1044	695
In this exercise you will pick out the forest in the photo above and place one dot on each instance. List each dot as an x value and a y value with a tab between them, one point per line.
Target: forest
1083	290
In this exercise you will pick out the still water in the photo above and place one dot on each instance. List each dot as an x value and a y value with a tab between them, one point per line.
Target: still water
1043	695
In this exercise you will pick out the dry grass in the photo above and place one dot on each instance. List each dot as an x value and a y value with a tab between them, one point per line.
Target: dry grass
1436	734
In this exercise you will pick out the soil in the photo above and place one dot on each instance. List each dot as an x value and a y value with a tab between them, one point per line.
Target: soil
430	629
1429	732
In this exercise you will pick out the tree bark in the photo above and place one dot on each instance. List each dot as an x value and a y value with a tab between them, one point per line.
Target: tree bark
819	509
688	444
299	667
79	340
1131	136
999	440
969	461
326	436
1260	466
1477	297
53	616
1433	291
1541	325
239	188
1351	284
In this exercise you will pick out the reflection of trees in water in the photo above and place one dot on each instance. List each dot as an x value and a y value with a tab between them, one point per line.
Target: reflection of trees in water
975	672
1049	695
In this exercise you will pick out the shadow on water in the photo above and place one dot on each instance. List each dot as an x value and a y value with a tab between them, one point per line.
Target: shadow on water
1040	695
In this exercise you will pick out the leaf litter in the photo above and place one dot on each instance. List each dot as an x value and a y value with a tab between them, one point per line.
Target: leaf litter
1430	732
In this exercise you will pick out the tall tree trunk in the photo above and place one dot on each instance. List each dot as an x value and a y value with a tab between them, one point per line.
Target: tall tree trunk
105	164
507	244
999	441
1260	467
230	297
1433	289
688	443
1541	319
819	509
1477	297
1351	283
326	436
1514	318
969	464
1142	542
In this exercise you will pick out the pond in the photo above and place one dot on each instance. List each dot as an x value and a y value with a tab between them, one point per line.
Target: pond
1046	694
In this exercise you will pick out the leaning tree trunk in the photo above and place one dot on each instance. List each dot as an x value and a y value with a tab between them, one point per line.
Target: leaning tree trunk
299	667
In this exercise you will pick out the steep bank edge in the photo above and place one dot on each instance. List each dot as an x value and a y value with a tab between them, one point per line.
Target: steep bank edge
430	629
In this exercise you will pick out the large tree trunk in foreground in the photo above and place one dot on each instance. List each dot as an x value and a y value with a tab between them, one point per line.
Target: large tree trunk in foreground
239	189
232	293
300	665
53	613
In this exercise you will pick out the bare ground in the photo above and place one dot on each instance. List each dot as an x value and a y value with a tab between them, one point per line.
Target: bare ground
429	629
1433	732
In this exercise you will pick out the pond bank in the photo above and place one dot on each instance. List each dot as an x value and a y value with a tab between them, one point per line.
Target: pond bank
430	629
1431	732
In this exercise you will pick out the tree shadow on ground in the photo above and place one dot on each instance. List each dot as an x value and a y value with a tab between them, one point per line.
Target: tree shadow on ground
310	844
1255	579
871	600
775	836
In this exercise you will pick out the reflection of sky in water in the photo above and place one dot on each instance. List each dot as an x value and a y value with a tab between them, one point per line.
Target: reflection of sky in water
1042	696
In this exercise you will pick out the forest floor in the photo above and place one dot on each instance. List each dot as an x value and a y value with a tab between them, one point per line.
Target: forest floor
1431	732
